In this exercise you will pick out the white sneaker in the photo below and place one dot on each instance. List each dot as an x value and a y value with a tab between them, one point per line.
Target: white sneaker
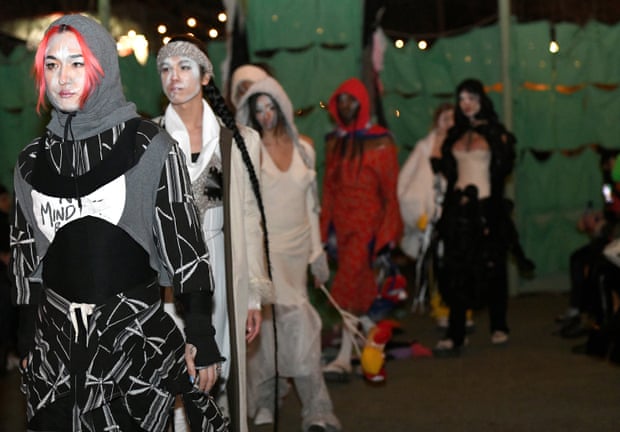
263	416
337	371
366	323
499	337
445	344
449	344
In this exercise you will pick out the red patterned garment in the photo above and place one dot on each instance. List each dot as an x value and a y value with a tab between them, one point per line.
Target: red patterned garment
360	204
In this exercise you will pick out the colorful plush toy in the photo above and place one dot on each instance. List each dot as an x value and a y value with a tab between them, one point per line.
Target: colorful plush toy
373	354
392	292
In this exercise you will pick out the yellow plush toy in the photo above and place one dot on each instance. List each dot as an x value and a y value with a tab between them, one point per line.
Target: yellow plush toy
422	222
373	354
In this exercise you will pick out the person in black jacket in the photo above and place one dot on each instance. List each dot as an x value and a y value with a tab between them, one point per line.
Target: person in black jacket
104	214
476	230
586	261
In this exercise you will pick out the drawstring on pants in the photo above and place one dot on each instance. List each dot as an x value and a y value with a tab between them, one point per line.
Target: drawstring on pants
86	309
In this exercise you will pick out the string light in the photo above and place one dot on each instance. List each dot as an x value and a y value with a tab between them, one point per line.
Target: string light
436	35
136	43
399	43
134	40
554	46
422	44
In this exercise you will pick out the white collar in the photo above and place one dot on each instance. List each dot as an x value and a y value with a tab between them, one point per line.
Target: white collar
210	137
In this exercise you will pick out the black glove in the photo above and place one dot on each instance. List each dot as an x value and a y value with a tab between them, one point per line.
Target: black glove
525	265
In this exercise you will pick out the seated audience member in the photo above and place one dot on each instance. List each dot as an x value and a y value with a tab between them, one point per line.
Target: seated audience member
587	262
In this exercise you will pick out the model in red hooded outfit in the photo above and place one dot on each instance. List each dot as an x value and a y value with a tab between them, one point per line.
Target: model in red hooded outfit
360	205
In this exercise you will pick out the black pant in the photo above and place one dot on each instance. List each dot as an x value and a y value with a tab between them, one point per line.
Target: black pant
496	294
472	270
583	263
57	417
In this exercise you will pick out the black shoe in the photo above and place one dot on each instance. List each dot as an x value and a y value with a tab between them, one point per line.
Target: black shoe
316	428
580	349
574	329
597	344
470	327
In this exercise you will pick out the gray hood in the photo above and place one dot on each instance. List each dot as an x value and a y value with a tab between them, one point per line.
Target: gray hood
106	106
271	87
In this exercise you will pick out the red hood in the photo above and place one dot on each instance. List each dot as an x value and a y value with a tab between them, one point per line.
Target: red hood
355	88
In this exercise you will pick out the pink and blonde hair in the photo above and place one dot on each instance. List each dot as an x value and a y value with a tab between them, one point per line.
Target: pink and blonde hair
94	71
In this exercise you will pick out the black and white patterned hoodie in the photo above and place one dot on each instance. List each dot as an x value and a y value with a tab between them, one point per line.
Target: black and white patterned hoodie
76	171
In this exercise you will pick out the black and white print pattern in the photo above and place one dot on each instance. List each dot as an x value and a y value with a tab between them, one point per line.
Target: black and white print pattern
177	230
127	347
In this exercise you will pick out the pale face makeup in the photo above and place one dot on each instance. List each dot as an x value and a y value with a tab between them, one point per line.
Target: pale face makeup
180	79
65	74
469	104
266	113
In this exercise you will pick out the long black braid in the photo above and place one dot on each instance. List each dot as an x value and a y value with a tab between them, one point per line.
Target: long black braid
218	104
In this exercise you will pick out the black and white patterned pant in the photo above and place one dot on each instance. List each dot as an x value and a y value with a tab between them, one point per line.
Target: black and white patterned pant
114	367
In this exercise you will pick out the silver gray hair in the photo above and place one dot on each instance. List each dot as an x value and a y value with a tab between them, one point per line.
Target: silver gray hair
185	49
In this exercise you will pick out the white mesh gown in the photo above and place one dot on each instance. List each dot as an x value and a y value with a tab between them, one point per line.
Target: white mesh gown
292	224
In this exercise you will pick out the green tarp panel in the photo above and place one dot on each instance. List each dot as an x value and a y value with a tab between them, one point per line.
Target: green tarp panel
604	116
279	24
142	86
409	119
571	62
402	76
478	55
552	195
604	40
532	53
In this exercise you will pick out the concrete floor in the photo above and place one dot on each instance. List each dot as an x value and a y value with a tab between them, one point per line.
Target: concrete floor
533	384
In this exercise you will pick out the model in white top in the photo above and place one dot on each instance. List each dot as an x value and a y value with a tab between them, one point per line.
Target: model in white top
227	192
291	205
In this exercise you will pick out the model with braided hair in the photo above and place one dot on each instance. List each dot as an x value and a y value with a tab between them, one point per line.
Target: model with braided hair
218	103
221	159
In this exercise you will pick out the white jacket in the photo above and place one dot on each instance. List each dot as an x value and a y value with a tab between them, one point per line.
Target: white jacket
416	194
